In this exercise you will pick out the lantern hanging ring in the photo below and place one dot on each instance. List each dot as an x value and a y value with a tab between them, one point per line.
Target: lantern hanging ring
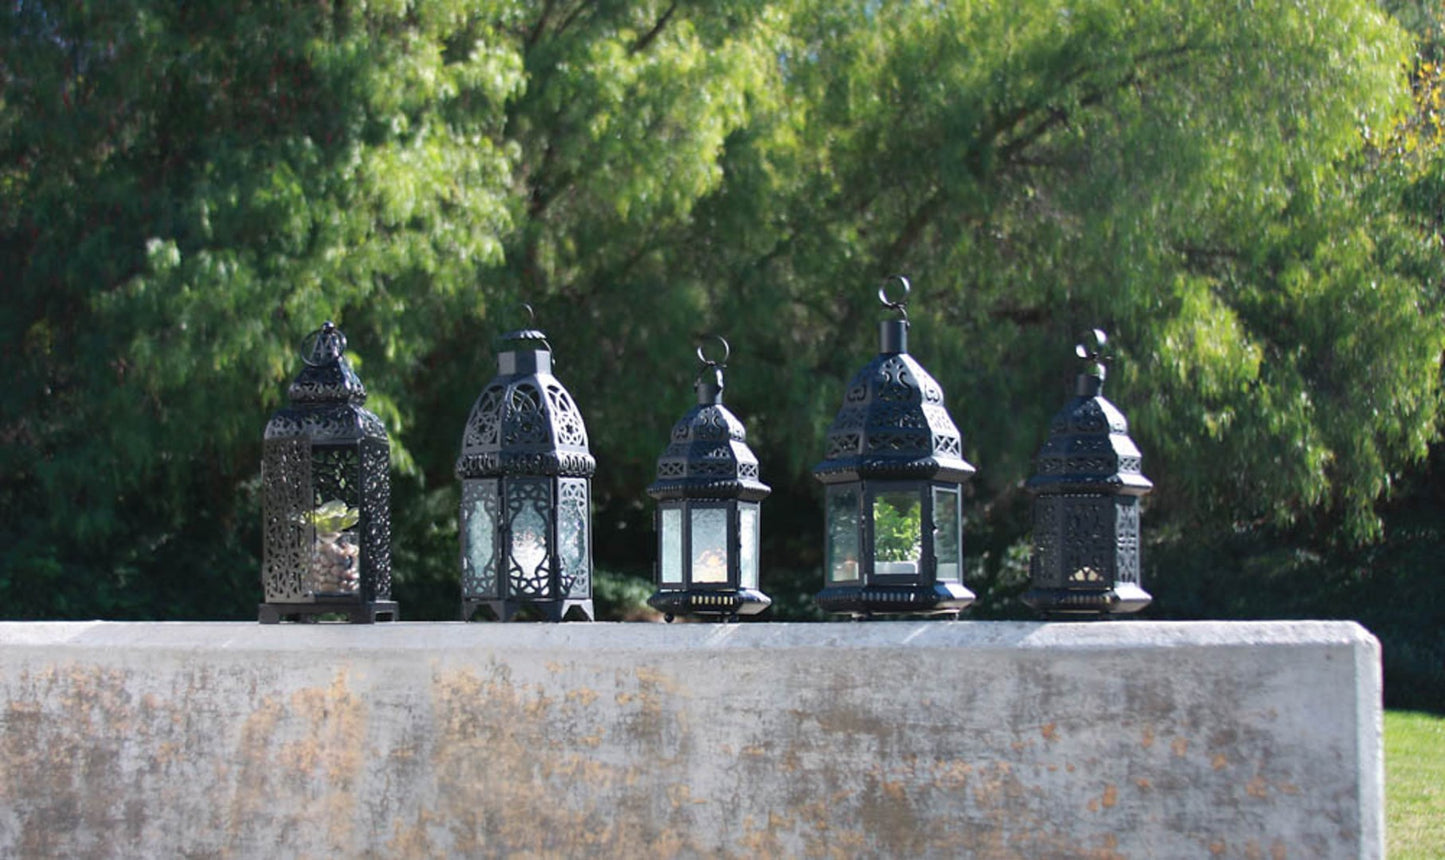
328	342
901	303
719	363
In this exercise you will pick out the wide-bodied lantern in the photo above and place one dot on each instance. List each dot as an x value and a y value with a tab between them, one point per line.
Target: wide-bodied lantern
893	474
326	489
526	475
709	498
1086	489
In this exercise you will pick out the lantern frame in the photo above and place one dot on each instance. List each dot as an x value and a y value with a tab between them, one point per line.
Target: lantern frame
708	469
326	492
893	439
1087	486
526	469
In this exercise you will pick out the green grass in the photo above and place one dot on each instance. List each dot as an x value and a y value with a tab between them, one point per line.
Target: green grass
1414	786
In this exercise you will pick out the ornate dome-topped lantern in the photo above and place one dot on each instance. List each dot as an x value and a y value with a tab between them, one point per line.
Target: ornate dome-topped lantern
326	489
894	475
709	497
1086	505
526	477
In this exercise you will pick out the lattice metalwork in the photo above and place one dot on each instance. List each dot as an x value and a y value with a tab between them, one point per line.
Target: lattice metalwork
326	496
891	449
705	476
525	468
1087	485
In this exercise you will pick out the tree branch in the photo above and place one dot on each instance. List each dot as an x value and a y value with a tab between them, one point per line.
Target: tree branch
646	38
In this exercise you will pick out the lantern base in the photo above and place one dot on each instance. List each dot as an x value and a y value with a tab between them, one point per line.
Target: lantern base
863	601
1074	603
356	612
725	605
506	610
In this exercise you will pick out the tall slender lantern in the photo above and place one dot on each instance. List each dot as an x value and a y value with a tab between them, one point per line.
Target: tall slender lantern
526	475
708	502
894	474
1086	505
326	490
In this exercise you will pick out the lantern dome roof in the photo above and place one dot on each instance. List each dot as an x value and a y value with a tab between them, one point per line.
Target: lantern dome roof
708	455
525	422
893	423
1088	448
326	396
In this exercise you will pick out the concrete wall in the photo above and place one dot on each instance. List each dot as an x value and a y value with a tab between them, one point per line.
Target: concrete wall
1114	739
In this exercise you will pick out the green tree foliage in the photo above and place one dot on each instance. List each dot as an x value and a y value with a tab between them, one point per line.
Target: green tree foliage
187	189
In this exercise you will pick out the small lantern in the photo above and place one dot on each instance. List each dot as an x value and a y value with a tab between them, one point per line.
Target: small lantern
526	477
1086	505
708	496
326	496
894	475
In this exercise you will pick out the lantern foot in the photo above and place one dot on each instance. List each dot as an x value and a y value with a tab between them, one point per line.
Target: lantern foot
550	610
310	613
1077	604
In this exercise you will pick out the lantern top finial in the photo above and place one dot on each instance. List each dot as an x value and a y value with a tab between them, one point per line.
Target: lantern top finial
531	337
709	391
327	376
1091	352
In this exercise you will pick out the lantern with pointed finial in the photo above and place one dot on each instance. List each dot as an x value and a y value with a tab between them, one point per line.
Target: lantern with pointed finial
325	479
1086	492
709	498
526	475
894	474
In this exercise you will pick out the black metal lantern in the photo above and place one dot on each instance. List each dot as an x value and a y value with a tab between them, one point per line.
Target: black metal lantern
1086	505
709	500
326	496
894	475
526	477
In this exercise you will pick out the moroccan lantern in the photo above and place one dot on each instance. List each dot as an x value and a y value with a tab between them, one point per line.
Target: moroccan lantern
708	509
1086	489
526	475
894	475
326	489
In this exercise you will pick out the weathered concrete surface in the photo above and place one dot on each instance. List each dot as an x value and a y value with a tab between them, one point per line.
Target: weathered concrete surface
1124	739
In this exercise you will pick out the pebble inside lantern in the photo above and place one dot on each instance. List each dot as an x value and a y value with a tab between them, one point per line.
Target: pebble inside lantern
893	474
1086	492
326	489
526	475
709	498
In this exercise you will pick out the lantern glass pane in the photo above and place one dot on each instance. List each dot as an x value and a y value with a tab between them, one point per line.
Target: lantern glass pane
709	545
572	522
897	532
843	534
748	546
479	537
947	536
334	516
529	509
671	546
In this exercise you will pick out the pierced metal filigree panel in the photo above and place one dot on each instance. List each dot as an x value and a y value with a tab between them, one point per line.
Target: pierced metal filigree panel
565	418
376	519
288	537
1127	537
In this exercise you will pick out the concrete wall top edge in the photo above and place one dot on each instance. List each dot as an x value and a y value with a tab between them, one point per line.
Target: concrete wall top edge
434	637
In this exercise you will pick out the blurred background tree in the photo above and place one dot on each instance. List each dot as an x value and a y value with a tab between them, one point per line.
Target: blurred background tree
1246	195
